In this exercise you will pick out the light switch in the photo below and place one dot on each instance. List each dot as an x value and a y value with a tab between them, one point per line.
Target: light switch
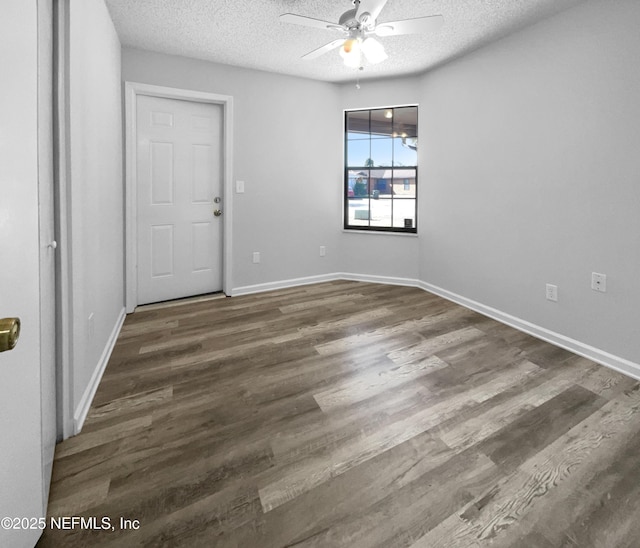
239	187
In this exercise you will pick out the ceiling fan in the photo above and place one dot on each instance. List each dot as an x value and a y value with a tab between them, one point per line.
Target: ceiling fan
359	25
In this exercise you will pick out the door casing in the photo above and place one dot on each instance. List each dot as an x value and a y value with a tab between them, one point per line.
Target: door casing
132	90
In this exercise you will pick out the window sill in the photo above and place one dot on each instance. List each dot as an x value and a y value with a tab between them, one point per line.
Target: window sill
380	233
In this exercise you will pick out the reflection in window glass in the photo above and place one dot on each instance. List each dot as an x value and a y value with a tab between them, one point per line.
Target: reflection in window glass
381	123
381	169
405	121
405	151
358	124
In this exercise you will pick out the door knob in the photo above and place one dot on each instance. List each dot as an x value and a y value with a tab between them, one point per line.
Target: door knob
9	333
217	212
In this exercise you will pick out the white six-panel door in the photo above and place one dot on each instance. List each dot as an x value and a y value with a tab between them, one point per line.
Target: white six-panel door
179	178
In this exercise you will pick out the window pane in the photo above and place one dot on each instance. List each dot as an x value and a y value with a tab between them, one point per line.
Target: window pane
358	123
404	183
358	153
404	213
381	212
381	123
404	151
358	211
358	184
382	151
405	121
381	181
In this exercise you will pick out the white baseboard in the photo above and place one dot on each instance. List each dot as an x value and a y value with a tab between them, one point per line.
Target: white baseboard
82	410
611	361
607	359
283	284
371	278
294	282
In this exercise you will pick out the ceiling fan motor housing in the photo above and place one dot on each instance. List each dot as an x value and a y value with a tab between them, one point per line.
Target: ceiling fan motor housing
348	19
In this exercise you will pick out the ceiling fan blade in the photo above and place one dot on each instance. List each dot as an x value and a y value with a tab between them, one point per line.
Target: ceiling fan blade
410	26
373	8
323	49
307	21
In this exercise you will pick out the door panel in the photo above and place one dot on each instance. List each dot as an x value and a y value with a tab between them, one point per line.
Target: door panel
161	251
161	173
21	475
179	173
202	173
202	252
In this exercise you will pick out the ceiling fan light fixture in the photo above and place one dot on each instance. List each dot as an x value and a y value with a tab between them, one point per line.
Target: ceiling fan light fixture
351	52
373	51
349	44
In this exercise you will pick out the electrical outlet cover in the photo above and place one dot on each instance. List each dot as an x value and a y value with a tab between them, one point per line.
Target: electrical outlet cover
599	282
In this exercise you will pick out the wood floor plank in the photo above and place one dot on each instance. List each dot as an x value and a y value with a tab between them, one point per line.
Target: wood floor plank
312	433
411	509
343	499
592	516
349	414
481	426
92	439
371	383
310	473
507	507
532	431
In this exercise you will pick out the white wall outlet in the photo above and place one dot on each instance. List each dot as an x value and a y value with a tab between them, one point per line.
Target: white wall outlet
256	257
599	282
552	293
323	251
239	187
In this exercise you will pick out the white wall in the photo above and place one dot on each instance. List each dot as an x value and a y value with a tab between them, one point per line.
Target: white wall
287	137
531	150
96	195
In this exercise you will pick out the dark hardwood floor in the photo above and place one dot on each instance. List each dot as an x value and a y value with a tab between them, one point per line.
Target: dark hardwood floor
349	414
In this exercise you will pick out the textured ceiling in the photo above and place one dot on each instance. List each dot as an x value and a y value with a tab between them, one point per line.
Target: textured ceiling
251	35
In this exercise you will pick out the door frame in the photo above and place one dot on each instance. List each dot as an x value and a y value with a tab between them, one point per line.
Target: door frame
132	91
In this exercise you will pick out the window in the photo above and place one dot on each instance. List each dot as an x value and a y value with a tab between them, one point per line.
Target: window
381	169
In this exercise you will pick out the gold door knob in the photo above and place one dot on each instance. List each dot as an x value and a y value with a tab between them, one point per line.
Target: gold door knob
9	333
217	212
